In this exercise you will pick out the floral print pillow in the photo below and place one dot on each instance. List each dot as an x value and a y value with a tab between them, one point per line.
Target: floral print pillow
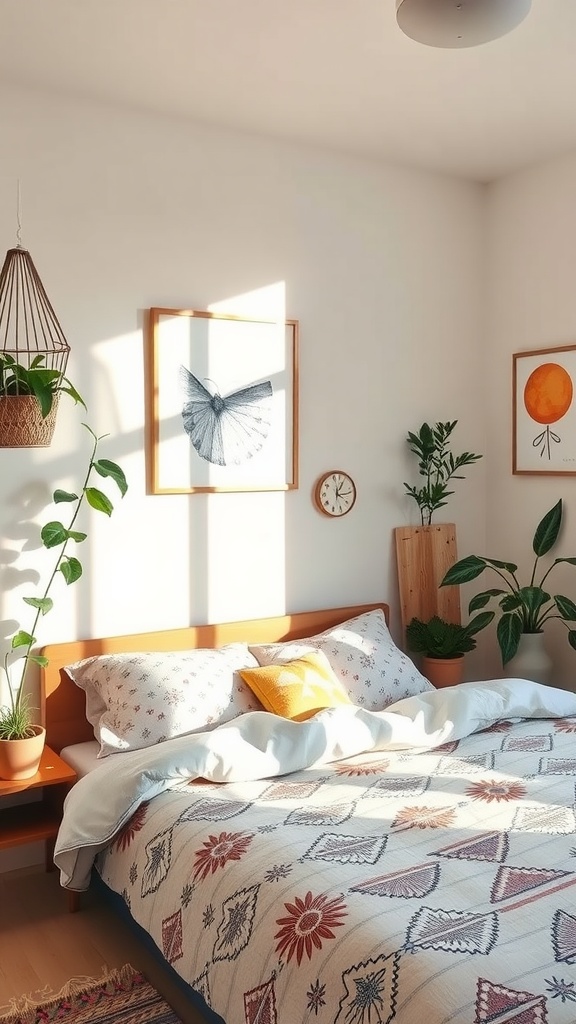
362	655
137	700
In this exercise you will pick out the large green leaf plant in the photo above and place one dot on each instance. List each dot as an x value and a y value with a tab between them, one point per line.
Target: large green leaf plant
525	607
16	718
37	379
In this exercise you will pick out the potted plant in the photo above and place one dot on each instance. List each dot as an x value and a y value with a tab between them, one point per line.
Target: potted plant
28	401
17	726
443	645
437	465
425	552
525	607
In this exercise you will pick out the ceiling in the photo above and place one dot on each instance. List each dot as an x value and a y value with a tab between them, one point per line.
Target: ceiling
338	73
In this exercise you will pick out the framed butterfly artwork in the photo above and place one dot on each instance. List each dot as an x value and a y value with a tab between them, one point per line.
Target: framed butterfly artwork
223	409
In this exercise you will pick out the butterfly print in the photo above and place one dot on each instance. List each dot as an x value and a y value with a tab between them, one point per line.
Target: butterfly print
226	430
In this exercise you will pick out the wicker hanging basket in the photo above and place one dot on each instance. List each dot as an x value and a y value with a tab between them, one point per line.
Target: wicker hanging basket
21	423
31	336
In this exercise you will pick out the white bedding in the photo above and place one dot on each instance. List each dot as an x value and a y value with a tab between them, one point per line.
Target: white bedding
259	745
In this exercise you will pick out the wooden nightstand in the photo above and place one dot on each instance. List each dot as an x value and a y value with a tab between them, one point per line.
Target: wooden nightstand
40	820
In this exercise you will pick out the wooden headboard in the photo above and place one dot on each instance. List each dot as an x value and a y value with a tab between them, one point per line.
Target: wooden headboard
63	703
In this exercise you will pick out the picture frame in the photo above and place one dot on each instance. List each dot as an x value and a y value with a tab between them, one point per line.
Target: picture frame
223	402
544	411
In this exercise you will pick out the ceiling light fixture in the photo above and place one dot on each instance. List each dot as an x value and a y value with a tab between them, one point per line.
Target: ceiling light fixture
459	23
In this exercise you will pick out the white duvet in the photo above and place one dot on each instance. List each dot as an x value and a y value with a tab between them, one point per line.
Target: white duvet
260	745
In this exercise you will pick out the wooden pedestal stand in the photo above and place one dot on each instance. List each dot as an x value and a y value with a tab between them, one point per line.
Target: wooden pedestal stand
424	555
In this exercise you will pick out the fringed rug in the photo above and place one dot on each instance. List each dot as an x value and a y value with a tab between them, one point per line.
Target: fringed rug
123	997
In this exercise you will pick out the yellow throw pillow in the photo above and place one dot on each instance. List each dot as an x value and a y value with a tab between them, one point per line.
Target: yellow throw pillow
297	689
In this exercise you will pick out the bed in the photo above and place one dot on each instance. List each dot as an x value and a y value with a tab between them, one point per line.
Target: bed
398	855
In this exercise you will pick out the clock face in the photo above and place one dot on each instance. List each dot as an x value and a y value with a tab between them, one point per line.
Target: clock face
335	493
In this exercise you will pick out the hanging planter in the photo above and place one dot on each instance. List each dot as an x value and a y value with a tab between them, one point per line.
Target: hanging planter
33	356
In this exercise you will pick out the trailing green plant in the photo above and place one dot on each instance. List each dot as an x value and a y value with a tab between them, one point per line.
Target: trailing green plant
437	638
525	608
16	718
437	464
37	379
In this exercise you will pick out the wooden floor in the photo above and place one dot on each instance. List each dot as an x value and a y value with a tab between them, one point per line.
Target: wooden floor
43	946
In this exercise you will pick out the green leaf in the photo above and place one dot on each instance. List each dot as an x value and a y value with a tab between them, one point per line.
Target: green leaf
508	633
43	604
464	571
71	390
76	536
479	622
98	500
107	468
38	659
572	638
22	639
547	530
507	566
59	496
71	569
482	599
53	534
566	607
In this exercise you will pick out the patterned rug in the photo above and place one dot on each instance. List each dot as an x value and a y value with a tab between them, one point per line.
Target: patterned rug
123	997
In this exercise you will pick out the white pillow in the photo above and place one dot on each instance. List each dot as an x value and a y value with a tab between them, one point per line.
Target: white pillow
363	657
137	700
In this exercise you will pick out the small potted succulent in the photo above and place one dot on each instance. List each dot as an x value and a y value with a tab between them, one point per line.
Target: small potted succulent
443	645
18	730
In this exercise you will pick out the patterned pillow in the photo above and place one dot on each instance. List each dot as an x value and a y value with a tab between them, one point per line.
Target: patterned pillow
298	689
137	700
362	655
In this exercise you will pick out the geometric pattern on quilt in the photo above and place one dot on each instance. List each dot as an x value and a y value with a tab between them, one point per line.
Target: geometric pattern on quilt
454	931
487	846
474	762
412	883
286	790
401	786
371	988
511	881
260	1004
235	927
363	657
558	766
158	860
328	815
496	1004
564	936
213	810
547	819
172	937
347	849
536	743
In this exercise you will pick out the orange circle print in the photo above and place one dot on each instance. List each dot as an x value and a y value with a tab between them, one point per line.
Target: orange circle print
548	393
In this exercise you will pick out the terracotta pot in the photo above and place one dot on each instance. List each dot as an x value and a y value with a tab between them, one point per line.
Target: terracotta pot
443	671
19	759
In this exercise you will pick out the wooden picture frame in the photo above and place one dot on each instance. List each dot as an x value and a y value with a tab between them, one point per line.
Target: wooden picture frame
223	403
544	412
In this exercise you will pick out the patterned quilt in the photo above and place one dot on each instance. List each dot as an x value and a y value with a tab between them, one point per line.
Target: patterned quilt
406	885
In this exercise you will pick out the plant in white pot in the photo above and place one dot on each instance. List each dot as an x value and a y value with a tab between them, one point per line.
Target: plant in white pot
17	725
525	607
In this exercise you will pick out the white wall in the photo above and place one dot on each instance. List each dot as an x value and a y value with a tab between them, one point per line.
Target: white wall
381	265
531	260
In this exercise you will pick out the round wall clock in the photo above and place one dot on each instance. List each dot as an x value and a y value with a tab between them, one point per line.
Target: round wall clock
335	493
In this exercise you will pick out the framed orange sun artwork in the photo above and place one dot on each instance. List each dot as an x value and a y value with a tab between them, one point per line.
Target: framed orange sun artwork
544	411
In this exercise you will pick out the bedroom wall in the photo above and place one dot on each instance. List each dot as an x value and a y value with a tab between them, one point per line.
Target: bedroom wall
383	267
531	255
